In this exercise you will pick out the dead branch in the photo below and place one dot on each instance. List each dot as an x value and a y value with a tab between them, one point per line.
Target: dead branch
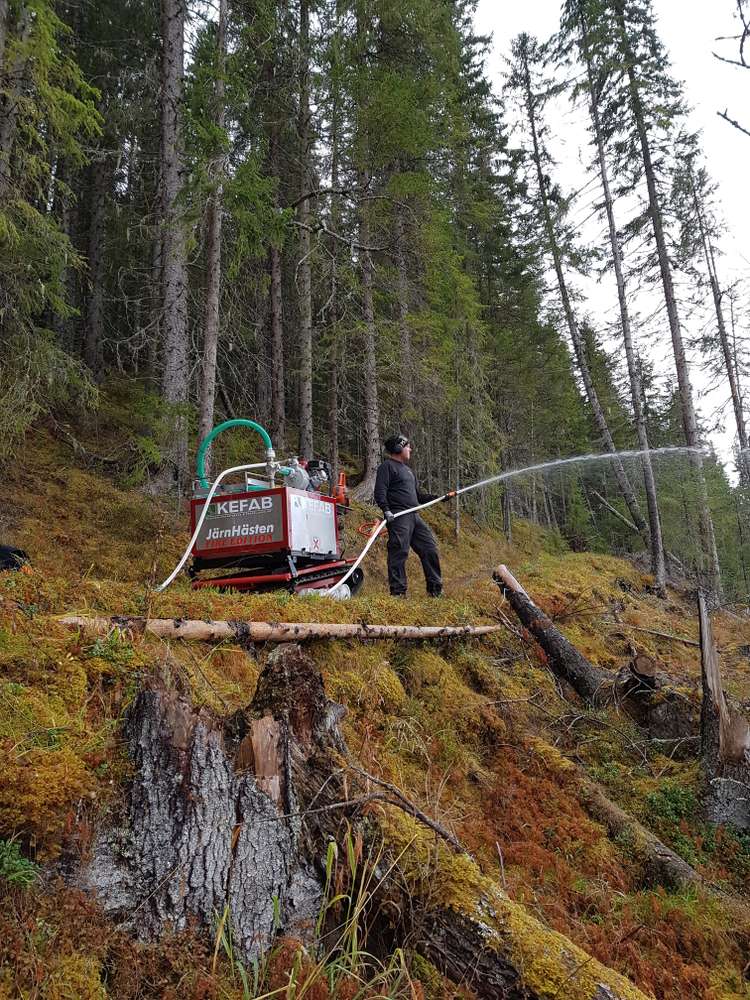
613	510
321	227
408	806
661	635
732	121
400	802
80	449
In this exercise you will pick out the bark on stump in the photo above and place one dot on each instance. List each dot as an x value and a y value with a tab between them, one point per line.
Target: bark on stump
230	818
212	820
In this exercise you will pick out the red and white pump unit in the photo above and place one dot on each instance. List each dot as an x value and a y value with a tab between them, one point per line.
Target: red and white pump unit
250	533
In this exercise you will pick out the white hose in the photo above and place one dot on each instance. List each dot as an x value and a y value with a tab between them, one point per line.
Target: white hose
202	518
606	456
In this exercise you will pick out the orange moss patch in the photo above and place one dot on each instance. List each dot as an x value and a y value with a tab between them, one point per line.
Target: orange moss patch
560	862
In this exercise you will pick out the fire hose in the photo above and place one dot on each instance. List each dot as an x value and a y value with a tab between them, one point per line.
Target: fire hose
500	477
541	466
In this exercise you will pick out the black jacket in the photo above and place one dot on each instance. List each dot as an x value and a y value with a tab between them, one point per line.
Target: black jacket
396	487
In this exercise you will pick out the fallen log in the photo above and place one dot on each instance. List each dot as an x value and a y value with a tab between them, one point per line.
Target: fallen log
613	510
659	708
566	662
246	631
659	635
659	864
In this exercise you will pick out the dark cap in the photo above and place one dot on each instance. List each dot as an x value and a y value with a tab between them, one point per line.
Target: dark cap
395	444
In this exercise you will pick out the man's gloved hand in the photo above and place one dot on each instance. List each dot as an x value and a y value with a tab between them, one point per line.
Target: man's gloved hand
389	516
448	496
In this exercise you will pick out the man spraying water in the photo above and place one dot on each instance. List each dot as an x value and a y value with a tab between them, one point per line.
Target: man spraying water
396	490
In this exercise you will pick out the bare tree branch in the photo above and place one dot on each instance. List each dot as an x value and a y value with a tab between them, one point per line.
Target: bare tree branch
736	124
321	227
732	62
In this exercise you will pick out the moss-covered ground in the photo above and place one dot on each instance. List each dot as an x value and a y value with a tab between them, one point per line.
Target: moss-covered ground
476	733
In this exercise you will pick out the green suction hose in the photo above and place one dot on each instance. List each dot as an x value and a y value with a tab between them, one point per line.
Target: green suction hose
200	461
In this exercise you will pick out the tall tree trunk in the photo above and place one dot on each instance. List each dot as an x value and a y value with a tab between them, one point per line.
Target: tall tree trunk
508	514
369	361
65	208
94	335
13	88
304	270
175	376
213	248
369	345
333	360
709	569
726	350
579	348
457	480
658	566
275	301
404	332
3	36
549	510
157	295
278	400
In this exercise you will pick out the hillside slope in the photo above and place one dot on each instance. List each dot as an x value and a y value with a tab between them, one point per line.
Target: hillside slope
478	735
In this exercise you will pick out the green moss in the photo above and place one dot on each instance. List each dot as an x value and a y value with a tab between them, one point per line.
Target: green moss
551	755
465	728
362	677
549	963
74	977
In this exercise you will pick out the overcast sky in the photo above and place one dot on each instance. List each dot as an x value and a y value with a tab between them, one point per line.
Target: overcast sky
688	29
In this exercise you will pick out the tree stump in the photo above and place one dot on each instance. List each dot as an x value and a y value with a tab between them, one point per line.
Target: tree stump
228	820
212	820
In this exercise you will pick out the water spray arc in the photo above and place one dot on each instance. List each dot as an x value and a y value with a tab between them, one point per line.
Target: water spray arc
513	474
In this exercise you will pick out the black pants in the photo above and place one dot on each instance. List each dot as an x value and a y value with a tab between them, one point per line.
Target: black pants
406	532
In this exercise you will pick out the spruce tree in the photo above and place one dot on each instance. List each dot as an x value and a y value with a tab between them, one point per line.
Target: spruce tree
526	53
575	33
692	202
645	65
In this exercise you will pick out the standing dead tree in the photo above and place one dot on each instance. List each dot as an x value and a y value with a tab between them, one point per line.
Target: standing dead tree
725	740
